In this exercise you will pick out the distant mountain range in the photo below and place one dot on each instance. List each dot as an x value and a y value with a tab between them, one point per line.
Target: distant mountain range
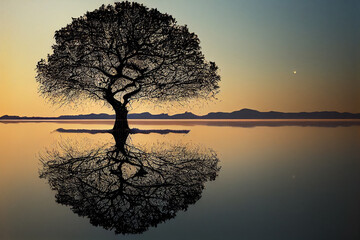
241	114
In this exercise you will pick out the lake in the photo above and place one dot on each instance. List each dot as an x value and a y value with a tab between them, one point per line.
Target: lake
265	180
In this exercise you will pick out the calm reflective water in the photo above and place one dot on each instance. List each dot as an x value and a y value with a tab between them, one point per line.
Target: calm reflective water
277	181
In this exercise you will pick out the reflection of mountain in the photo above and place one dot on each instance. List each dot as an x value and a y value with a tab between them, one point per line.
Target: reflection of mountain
241	114
126	188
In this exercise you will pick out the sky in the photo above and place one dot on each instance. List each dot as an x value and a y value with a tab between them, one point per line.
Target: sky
257	44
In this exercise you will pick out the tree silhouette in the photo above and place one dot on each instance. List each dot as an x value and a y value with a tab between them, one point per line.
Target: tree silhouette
122	53
128	190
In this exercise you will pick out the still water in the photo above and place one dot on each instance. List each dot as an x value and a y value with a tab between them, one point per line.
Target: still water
265	181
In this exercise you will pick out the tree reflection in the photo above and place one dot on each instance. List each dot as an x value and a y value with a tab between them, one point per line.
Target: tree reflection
128	188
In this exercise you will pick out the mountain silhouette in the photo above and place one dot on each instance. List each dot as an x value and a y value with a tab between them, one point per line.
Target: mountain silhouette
241	114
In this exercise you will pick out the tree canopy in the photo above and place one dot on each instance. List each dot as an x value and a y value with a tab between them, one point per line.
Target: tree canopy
126	52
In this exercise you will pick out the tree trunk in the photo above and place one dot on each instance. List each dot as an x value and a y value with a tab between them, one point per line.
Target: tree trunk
121	128
121	124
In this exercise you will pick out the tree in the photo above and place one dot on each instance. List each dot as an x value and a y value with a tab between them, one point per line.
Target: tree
123	53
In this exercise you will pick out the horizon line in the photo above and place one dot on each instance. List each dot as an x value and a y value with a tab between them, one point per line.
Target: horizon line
245	113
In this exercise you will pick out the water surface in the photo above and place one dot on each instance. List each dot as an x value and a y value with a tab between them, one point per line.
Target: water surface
277	181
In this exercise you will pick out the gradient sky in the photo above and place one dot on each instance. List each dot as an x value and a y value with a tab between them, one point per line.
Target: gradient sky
257	44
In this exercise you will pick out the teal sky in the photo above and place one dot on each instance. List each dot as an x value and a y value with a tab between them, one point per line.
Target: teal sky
257	44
